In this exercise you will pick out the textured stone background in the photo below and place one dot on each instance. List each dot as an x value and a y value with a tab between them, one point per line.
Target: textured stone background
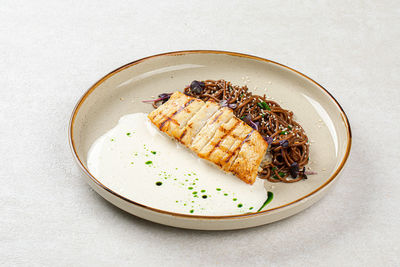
52	51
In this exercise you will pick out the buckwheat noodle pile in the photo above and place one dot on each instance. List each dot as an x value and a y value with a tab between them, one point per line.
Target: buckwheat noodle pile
288	143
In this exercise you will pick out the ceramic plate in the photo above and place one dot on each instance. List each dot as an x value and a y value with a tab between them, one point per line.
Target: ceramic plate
121	91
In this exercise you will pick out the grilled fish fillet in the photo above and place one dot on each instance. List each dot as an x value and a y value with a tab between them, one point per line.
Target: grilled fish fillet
213	133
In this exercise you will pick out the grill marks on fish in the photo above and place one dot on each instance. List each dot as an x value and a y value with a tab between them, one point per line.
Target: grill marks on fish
225	146
246	160
222	132
236	147
210	129
217	117
197	122
183	118
213	132
182	134
226	133
170	118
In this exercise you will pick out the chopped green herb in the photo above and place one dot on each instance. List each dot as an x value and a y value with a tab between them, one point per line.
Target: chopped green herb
274	168
128	134
158	183
153	152
225	194
148	162
218	189
240	205
203	191
234	199
281	174
283	132
242	118
190	188
191	211
176	201
131	162
289	127
263	105
194	192
251	208
112	139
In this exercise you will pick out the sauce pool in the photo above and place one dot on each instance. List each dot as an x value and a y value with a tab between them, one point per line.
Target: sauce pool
136	160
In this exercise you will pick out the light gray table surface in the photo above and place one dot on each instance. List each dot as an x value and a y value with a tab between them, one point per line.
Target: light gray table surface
52	51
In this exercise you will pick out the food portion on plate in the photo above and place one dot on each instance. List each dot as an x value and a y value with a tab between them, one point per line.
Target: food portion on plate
213	132
242	134
233	128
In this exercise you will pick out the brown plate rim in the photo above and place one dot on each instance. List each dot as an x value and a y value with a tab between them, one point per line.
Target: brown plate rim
184	52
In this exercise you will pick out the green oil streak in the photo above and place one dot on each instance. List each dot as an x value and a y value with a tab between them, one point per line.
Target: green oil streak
269	199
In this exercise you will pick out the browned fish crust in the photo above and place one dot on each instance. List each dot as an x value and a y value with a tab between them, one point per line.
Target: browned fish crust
213	133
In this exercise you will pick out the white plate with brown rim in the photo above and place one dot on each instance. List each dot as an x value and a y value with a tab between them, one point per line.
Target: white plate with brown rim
120	92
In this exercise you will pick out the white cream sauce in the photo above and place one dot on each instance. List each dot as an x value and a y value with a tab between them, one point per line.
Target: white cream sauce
137	161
